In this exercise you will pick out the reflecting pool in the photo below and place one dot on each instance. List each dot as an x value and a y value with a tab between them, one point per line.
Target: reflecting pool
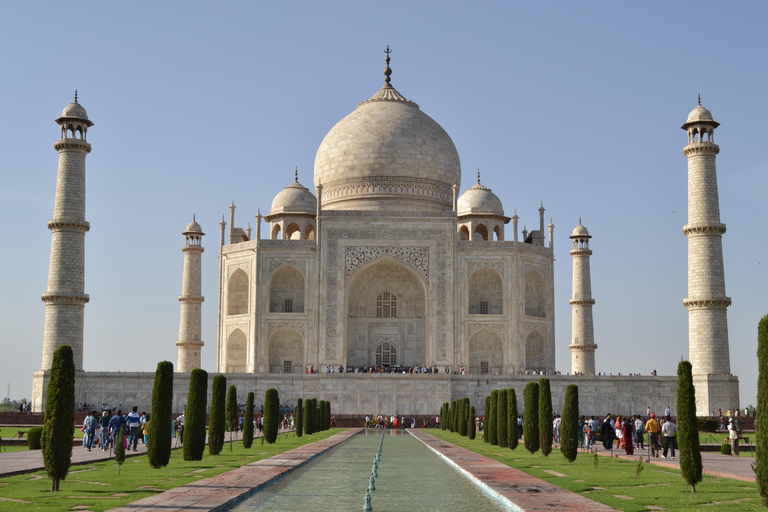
411	477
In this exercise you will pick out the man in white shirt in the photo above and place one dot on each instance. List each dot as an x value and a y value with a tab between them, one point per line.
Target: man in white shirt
733	434
668	430
639	439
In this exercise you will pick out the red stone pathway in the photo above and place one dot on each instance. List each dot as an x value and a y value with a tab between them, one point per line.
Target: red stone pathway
526	492
218	492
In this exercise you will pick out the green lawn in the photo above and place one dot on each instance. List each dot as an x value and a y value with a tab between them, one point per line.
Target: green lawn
13	432
655	487
99	487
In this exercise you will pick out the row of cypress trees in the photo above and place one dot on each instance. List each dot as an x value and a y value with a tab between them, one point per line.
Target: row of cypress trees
316	416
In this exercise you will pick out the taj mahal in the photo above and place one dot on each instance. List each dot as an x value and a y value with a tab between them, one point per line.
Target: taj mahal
389	262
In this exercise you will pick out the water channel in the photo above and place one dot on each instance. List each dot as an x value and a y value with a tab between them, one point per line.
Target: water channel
410	477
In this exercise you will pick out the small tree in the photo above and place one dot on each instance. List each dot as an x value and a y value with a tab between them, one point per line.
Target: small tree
217	423
512	431
471	427
34	438
300	418
309	421
569	424
318	416
160	426
232	412
120	449
463	415
443	415
761	427
492	422
545	417
194	425
59	416
248	422
271	415
531	417
501	418
486	409
451	416
687	431
327	415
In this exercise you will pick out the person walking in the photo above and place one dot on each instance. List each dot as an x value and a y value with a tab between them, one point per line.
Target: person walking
104	422
653	428
733	434
91	424
668	429
639	439
115	423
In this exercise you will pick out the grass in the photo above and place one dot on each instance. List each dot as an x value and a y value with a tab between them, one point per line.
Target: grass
13	432
654	487
99	487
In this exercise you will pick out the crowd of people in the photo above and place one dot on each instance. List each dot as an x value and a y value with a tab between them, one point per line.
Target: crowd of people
102	430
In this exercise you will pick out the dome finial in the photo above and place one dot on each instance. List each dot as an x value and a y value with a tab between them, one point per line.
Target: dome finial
296	175
478	175
579	221
75	95
699	99
193	217
387	70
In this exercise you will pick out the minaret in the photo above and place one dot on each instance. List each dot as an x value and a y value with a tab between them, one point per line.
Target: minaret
706	302
189	342
65	298
583	343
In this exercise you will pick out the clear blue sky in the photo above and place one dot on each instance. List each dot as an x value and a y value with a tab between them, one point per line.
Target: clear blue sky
576	104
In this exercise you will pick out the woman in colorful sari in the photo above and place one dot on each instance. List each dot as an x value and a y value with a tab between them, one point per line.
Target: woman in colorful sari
628	436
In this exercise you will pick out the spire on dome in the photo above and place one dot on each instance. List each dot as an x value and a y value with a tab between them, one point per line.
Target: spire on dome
387	70
75	95
478	175
699	99
296	175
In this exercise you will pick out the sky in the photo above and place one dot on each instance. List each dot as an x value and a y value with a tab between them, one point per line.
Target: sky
574	104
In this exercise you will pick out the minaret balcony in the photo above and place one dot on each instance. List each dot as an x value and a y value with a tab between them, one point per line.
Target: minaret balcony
582	302
71	143
696	148
717	228
591	347
707	302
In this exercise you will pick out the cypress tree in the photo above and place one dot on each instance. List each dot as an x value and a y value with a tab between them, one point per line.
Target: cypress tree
463	416
442	416
299	418
327	415
471	430
485	418
160	426
194	425
59	416
512	433
468	413
120	449
217	425
309	419
323	415
545	417
232	412
492	421
761	463
271	415
531	417
452	416
569	423
316	416
501	418
248	421
688	426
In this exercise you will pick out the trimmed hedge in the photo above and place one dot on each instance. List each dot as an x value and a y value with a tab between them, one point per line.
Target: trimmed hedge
193	441
217	422
232	412
545	417
471	427
687	431
531	417
463	415
485	418
34	438
491	417
300	418
59	416
160	425
707	423
248	421
761	458
569	424
512	427
501	418
271	415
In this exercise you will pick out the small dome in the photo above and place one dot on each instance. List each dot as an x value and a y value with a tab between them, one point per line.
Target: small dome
580	231
479	200
699	114
75	110
193	227
295	198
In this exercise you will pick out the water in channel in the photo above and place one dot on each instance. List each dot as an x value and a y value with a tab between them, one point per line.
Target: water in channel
411	477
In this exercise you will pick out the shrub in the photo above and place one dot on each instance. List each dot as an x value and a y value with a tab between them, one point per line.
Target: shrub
34	436
59	416
120	449
707	423
248	421
194	425
300	418
687	427
491	417
545	417
271	415
485	418
501	418
725	448
318	425
444	416
463	415
159	434
471	427
217	422
569	424
761	462
531	417
512	433
451	413
232	412
309	416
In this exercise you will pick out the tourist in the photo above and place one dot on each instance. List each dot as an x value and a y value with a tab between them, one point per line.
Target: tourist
667	412
653	428
607	432
133	426
668	429
145	428
91	424
639	439
556	428
437	421
142	421
104	423
413	422
115	423
618	428
733	434
180	421
628	429
590	435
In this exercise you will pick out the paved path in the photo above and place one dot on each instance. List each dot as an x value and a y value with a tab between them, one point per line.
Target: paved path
27	461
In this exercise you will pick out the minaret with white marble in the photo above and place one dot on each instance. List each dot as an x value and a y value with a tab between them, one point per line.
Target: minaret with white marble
583	332
191	298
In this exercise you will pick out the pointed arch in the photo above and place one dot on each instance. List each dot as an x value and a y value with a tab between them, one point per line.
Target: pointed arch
535	295
276	232
237	293
286	290
498	233
237	351
286	351
463	233
309	234
293	232
535	353
485	292
485	353
481	233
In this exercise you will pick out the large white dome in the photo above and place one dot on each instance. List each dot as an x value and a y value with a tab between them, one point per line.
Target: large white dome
387	155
